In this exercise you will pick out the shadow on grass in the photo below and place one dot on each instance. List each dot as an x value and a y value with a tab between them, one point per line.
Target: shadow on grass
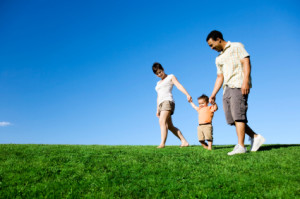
277	146
217	147
262	148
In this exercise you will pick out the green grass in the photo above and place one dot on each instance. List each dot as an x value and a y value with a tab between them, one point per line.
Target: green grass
76	171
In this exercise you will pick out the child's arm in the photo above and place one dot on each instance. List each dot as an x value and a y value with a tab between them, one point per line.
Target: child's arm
194	106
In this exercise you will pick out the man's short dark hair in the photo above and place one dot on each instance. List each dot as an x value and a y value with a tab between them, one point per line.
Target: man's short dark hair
204	97
214	35
156	66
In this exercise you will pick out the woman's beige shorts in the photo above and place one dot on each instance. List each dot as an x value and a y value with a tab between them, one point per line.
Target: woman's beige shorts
205	132
167	106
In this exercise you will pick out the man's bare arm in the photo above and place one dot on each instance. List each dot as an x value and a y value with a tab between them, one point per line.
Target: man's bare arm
218	85
246	70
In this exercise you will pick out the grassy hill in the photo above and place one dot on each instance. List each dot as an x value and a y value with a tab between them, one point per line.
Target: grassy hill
95	171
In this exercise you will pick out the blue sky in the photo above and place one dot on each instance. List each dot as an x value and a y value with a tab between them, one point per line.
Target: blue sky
79	72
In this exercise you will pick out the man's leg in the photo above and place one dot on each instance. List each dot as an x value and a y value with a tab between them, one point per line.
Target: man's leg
250	132
239	106
256	139
240	131
229	110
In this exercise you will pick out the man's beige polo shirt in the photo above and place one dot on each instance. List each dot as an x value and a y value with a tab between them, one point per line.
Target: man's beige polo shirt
229	64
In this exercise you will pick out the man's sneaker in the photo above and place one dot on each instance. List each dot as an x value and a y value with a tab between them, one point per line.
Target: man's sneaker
237	150
257	142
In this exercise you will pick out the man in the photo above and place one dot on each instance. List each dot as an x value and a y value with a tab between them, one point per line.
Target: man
233	72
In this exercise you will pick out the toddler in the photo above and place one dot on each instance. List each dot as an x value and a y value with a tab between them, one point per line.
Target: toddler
206	113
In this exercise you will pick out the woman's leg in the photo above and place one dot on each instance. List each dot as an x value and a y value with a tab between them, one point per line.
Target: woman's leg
164	115
176	132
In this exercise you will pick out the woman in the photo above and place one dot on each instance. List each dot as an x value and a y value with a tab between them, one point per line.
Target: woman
166	105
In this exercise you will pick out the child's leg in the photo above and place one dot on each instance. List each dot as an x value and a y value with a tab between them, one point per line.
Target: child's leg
201	136
164	115
177	132
203	143
208	132
209	144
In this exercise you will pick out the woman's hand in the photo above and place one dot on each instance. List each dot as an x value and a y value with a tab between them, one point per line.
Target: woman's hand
157	114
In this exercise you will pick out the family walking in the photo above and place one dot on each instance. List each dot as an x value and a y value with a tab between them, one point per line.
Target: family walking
234	75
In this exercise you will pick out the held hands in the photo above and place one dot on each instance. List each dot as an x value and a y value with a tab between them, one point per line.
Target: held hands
189	98
212	99
157	114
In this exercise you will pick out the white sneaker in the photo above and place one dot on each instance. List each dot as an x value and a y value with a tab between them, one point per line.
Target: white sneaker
257	142
237	150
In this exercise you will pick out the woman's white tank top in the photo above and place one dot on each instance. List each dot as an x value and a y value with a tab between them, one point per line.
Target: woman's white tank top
164	89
